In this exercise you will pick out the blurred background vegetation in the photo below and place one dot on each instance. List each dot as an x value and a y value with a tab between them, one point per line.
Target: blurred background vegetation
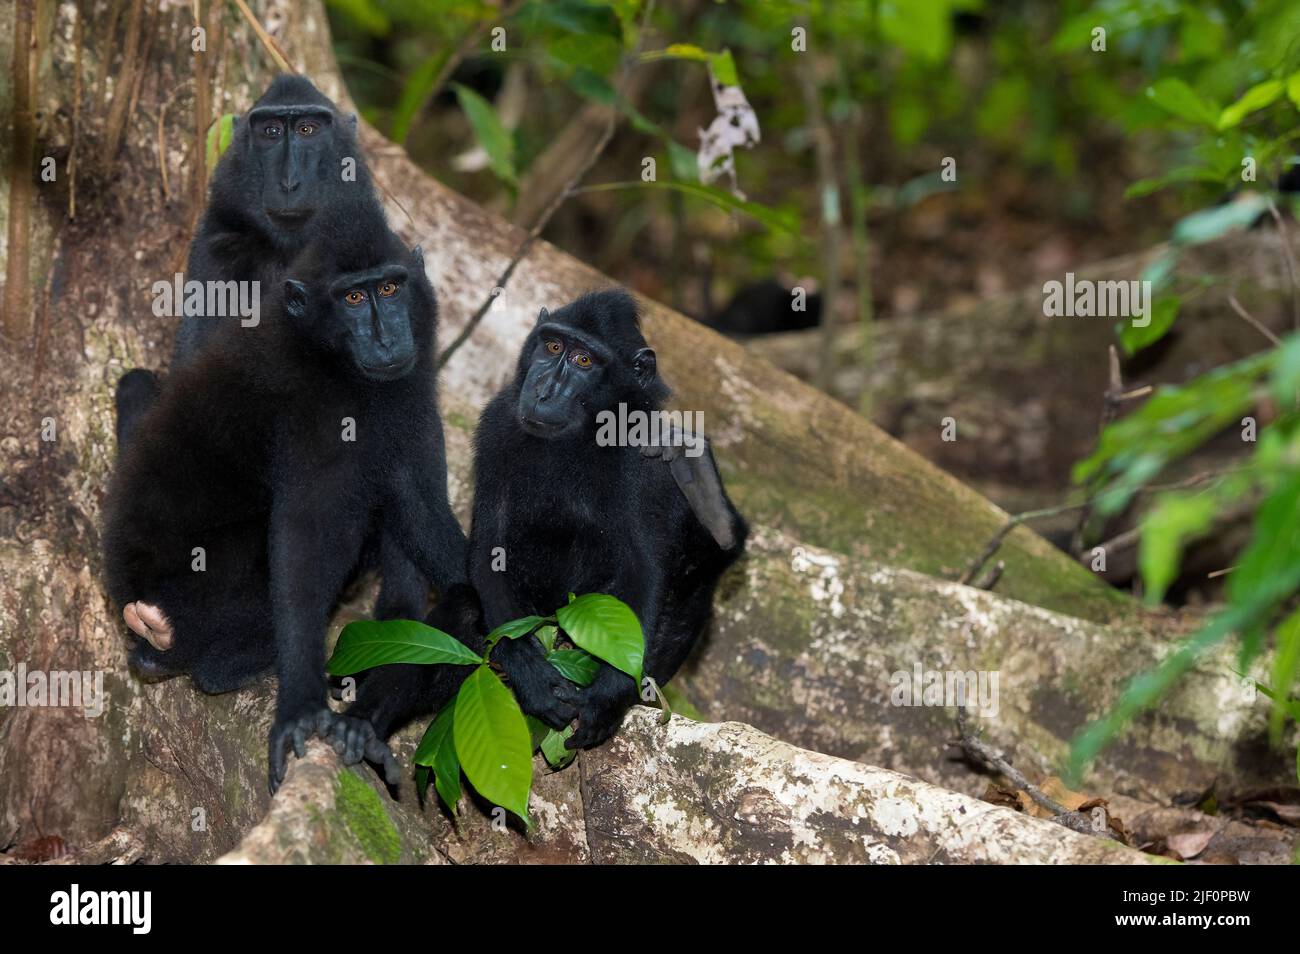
1047	134
1079	132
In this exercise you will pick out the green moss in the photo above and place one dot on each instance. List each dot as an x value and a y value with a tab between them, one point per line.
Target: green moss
676	694
363	814
939	540
458	420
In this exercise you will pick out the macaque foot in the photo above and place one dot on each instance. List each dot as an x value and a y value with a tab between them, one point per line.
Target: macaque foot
149	623
351	738
150	665
598	720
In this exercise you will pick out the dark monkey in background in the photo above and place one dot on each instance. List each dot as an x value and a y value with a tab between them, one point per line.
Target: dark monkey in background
279	452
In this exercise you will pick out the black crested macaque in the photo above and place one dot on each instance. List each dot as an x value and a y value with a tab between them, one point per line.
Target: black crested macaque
649	525
765	308
246	488
293	175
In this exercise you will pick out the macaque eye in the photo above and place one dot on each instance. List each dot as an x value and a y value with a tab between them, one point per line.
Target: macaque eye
355	297
388	289
307	129
582	359
554	347
272	129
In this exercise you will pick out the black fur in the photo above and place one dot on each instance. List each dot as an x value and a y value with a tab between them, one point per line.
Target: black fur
244	235
765	308
573	516
269	199
242	453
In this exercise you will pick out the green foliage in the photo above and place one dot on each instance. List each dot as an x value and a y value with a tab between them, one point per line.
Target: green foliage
483	732
1135	449
366	643
1229	88
491	135
553	750
437	751
492	741
607	628
218	140
575	665
772	218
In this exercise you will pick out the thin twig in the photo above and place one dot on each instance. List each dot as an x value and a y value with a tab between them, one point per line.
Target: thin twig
1111	400
77	33
828	190
991	758
268	41
1251	320
1290	263
1016	520
535	232
990	579
17	268
162	118
118	113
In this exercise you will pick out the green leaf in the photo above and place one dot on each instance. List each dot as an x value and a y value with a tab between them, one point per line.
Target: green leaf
415	93
1173	422
680	704
600	54
364	14
495	139
546	636
1255	98
514	629
921	28
1293	89
1174	177
722	64
1161	272
1211	223
219	135
367	643
771	218
1134	337
1285	384
724	68
574	665
607	628
1174	96
1274	547
677	51
422	773
537	730
437	750
553	750
596	88
1286	666
1175	520
492	741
